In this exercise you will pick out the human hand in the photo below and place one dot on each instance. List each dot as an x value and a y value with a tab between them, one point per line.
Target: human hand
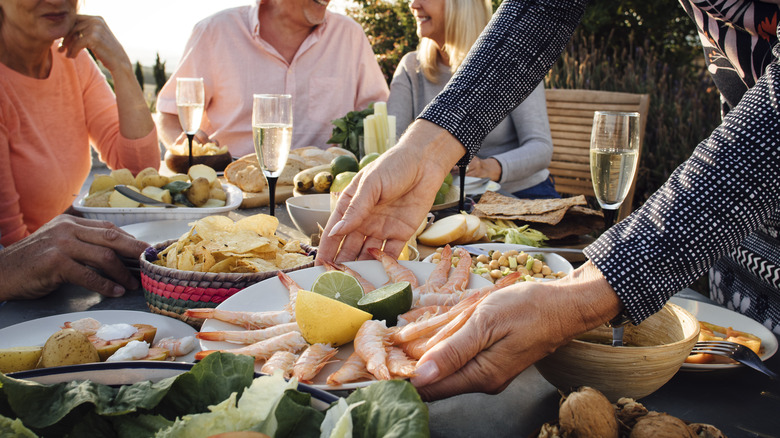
479	168
512	329
388	199
92	32
200	136
73	250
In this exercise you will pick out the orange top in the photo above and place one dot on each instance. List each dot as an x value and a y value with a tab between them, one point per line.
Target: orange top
46	128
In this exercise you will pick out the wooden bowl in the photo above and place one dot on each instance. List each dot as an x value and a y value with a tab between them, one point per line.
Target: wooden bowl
654	351
180	163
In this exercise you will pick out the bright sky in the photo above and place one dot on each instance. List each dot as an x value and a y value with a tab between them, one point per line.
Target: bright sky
146	27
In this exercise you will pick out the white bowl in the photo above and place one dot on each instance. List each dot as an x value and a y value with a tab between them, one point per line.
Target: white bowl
307	211
125	216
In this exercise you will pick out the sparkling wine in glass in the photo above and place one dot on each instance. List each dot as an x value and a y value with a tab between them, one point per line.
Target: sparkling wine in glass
272	134
190	97
614	155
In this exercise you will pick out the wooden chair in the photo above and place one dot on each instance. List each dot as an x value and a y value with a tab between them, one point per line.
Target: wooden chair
571	116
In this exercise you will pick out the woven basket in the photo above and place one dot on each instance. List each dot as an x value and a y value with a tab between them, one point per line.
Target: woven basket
171	291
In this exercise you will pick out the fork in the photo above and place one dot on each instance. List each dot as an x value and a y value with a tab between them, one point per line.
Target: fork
734	351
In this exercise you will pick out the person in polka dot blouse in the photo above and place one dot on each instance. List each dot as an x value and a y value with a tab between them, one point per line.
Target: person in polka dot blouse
725	192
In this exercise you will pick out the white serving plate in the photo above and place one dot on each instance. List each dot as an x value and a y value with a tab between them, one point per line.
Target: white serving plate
125	216
159	231
127	373
270	294
472	186
37	331
556	262
726	318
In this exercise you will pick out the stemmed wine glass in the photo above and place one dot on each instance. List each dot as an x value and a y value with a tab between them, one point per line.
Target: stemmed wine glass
189	103
614	155
272	134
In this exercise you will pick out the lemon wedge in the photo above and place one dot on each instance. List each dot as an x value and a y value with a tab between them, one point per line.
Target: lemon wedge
325	320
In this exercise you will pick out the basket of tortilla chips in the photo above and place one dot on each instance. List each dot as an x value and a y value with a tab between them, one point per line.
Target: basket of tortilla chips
215	259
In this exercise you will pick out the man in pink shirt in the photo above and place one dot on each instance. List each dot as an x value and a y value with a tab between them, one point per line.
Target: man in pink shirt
297	47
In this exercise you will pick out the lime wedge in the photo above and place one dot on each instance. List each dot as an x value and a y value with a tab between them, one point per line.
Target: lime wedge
338	286
387	302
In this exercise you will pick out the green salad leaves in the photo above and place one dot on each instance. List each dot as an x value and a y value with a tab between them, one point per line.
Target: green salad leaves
219	394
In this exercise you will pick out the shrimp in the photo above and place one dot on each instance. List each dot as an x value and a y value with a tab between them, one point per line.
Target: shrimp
249	336
394	270
437	299
281	361
293	289
354	368
370	343
451	327
312	360
459	278
248	320
87	326
292	342
438	277
399	364
415	348
419	312
501	283
428	326
177	346
367	285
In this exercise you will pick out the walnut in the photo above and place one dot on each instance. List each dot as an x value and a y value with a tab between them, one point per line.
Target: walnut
628	412
659	425
587	413
706	430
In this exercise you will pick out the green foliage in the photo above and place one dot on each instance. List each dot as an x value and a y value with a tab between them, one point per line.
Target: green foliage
348	129
159	74
139	74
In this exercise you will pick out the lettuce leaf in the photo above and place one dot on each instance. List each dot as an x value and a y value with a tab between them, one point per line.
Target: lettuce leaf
14	429
392	408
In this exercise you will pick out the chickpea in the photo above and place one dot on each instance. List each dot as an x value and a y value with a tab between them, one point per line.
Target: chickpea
522	259
522	271
455	260
512	252
496	255
439	249
539	275
546	271
436	258
537	267
496	274
503	261
482	258
494	264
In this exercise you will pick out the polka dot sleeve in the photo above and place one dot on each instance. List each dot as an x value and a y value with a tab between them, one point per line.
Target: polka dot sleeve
510	58
723	192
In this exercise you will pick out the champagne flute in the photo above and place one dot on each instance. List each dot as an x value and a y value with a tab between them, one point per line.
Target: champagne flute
272	134
189	104
614	155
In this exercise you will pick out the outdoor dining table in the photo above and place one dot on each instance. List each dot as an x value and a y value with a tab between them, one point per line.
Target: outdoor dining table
740	401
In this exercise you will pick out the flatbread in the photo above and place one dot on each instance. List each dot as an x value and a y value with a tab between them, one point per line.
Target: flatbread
578	221
493	204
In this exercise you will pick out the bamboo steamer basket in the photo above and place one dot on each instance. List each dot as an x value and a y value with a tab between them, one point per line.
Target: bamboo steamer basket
654	351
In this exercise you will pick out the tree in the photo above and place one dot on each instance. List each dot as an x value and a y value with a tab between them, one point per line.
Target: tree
139	74
159	74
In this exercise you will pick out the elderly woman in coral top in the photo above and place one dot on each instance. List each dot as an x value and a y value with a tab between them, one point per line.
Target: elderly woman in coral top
54	104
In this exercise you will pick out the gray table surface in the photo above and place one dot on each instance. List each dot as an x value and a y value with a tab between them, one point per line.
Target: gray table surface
740	401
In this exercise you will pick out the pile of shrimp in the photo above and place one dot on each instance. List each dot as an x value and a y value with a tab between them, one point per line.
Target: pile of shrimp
441	305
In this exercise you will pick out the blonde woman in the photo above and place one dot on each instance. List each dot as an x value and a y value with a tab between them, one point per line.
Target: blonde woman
515	153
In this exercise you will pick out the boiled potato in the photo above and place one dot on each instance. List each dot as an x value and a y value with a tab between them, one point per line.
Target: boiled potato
99	199
198	193
217	193
202	171
143	174
123	176
157	193
154	181
67	347
179	177
213	203
19	358
101	183
118	200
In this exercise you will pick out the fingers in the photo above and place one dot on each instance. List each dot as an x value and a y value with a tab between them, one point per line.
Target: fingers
473	377
81	275
203	138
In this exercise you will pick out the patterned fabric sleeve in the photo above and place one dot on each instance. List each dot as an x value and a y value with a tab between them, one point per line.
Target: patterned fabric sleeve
510	58
726	190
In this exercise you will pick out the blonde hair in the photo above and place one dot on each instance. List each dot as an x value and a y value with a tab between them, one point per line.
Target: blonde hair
463	22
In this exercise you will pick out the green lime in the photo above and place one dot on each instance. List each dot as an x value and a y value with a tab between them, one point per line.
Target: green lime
387	302
339	286
368	158
445	188
343	163
341	181
440	197
448	179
